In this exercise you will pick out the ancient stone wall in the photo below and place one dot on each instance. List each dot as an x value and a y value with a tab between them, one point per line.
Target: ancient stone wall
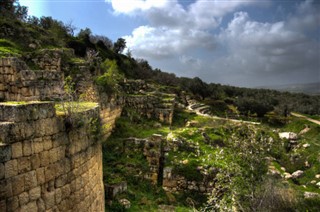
50	59
45	166
152	150
154	105
175	183
18	83
161	172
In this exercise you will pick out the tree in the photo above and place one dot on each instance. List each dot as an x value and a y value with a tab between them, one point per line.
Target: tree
119	46
198	87
101	41
12	9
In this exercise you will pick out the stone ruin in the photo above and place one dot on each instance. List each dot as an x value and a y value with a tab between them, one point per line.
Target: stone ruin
19	83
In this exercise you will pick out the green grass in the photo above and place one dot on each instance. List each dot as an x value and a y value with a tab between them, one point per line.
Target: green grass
9	51
234	157
8	48
16	103
76	107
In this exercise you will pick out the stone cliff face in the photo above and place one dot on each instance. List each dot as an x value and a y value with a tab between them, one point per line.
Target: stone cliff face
43	166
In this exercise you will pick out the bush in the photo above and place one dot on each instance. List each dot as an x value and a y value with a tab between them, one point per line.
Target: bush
109	80
189	171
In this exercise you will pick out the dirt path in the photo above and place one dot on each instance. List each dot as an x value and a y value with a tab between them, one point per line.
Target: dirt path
198	112
305	117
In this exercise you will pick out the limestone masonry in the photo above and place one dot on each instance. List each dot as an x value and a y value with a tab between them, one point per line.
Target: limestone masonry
44	166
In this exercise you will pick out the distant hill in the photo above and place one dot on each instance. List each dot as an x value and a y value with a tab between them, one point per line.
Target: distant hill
307	88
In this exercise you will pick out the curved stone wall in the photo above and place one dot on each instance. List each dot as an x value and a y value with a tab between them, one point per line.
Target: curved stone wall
45	166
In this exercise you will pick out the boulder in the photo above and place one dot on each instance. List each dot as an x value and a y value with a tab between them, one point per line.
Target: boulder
306	145
288	135
311	195
287	175
297	174
126	203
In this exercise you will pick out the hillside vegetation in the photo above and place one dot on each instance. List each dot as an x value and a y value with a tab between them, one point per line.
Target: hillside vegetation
220	151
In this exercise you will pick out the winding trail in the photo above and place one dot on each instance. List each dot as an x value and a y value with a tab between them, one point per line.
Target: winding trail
305	117
200	109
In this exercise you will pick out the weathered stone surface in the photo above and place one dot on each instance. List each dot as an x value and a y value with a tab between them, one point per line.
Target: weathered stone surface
35	161
35	193
47	143
126	203
23	198
32	206
27	148
49	199
16	149
1	171
24	164
297	174
5	153
40	176
37	145
37	168
30	180
11	168
18	185
12	203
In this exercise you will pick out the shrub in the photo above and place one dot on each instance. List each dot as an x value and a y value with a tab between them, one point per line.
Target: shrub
109	80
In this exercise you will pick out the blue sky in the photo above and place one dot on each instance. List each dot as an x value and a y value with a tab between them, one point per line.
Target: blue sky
238	42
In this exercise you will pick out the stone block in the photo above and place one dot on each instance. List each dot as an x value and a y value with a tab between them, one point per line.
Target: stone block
52	171
35	161
3	205
24	164
35	193
44	158
3	87
18	184
12	203
1	171
16	150
32	206
54	155
5	189
41	205
23	198
27	148
37	145
11	168
30	180
58	195
47	143
5	152
49	199
40	176
65	191
61	181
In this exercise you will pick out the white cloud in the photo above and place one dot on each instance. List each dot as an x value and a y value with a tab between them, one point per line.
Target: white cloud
163	42
258	51
173	29
130	6
252	52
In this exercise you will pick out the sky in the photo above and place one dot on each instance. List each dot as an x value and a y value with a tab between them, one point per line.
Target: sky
248	43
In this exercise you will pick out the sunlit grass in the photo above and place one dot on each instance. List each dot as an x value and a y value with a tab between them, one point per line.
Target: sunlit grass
76	107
